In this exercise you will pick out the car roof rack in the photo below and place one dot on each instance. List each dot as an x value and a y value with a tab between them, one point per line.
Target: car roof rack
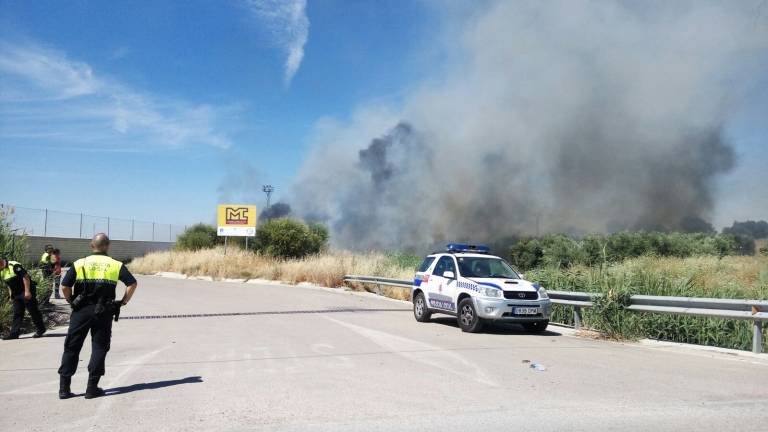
467	248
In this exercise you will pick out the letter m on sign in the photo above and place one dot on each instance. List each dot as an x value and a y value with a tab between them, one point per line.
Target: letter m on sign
237	216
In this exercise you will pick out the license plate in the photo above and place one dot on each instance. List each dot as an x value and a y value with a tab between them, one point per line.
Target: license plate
525	311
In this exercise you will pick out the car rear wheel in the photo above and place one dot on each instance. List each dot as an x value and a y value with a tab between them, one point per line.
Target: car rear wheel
420	310
536	326
467	317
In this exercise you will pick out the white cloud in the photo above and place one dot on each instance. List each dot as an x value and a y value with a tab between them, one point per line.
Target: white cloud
48	98
288	24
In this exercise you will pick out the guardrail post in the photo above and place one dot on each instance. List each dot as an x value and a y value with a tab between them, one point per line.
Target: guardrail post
577	317
757	337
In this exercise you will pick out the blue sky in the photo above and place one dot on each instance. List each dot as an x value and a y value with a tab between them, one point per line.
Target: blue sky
161	110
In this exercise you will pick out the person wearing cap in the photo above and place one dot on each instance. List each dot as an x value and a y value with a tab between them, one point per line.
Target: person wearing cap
94	279
23	293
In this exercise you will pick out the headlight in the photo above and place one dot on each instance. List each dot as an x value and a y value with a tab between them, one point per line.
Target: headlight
491	292
543	293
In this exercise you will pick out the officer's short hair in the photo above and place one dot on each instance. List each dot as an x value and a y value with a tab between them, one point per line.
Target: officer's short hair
100	242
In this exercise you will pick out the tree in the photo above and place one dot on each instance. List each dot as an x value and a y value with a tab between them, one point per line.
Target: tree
196	237
290	238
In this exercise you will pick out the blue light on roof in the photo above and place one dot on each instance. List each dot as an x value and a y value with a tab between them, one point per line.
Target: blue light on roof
460	247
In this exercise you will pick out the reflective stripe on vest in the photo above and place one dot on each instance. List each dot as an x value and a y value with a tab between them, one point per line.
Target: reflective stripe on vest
7	273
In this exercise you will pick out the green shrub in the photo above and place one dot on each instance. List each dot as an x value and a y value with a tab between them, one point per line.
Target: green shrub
44	285
560	251
196	237
319	235
730	277
290	238
404	260
12	247
527	253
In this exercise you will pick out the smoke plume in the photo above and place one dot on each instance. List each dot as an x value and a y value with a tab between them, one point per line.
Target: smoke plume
559	116
276	210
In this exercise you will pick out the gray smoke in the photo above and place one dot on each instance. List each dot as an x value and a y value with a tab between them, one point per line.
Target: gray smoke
558	116
274	211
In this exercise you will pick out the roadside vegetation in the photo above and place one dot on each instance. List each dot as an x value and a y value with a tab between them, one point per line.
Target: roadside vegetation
325	269
12	247
282	237
561	251
742	277
616	266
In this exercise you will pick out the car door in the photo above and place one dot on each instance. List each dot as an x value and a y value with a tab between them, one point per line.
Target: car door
442	289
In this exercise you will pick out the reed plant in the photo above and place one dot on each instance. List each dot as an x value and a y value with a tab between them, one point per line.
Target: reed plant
740	277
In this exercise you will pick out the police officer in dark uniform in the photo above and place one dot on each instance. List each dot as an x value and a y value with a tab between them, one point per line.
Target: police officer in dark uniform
23	294
47	261
94	279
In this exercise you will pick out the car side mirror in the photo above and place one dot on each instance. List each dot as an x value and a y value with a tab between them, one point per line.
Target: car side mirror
522	276
449	275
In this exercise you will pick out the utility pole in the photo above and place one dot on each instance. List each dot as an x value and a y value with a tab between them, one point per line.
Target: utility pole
268	189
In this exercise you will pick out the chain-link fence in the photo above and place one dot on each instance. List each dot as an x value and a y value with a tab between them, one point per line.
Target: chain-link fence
52	223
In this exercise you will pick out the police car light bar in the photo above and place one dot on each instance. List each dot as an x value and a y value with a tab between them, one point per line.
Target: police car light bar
459	247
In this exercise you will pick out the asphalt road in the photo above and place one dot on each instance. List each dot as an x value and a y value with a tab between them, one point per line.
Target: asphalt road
309	359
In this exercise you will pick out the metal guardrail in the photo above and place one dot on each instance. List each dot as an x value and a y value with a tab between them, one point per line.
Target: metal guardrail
751	310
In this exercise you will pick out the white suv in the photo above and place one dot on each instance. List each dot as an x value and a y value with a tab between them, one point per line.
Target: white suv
468	283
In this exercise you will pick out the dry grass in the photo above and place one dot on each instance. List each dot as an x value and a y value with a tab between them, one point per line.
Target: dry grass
745	276
324	270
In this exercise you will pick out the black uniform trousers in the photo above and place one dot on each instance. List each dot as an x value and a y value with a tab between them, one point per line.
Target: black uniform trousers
19	304
80	323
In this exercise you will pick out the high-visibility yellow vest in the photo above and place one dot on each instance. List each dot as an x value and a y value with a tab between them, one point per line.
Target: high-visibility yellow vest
97	276
45	258
7	273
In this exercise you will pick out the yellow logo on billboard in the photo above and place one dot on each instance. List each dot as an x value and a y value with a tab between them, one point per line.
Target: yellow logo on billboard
236	215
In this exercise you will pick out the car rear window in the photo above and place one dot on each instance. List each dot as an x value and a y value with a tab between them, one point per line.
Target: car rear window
426	263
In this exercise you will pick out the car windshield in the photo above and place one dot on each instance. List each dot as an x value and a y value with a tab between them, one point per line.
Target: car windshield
482	267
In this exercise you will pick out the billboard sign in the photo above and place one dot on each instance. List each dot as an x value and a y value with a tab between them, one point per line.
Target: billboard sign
236	220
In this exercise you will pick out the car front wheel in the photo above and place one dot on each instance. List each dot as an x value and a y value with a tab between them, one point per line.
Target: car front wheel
467	317
420	310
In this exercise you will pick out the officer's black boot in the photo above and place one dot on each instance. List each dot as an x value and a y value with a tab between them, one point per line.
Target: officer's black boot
64	391
93	390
